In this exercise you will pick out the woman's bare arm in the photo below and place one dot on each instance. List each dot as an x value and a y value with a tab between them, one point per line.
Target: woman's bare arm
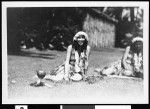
68	54
125	56
67	67
88	51
87	56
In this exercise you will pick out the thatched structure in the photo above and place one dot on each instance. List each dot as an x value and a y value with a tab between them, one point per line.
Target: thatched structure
100	28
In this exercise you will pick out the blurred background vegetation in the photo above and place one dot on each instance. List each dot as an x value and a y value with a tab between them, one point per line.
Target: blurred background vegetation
54	28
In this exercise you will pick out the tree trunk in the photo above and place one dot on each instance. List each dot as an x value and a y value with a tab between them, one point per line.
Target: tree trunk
132	14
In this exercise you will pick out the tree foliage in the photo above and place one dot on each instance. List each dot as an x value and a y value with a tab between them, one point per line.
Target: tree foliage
55	27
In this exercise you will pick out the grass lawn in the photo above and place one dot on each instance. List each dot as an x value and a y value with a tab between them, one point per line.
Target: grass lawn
22	69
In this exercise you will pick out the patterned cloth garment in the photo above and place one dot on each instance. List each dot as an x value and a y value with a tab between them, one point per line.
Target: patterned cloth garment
82	61
135	60
72	58
115	68
58	73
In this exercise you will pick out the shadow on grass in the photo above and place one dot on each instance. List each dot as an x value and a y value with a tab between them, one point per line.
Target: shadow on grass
33	54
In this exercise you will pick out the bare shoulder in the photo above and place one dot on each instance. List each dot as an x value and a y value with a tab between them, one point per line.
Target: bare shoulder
69	47
88	47
127	48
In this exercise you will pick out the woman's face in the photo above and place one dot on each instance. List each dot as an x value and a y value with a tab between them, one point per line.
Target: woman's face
81	40
138	46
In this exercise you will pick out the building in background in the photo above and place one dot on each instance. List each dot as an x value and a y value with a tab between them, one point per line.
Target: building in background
101	29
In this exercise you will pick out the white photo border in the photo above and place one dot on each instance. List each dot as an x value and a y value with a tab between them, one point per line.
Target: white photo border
5	5
112	106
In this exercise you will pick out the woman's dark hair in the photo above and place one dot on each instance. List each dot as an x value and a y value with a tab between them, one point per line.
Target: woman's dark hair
137	47
78	47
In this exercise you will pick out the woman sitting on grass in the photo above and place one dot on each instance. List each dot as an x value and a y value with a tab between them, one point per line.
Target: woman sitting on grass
131	63
76	64
77	56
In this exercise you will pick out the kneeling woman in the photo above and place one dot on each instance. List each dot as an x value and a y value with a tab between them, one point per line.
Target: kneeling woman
76	64
131	63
